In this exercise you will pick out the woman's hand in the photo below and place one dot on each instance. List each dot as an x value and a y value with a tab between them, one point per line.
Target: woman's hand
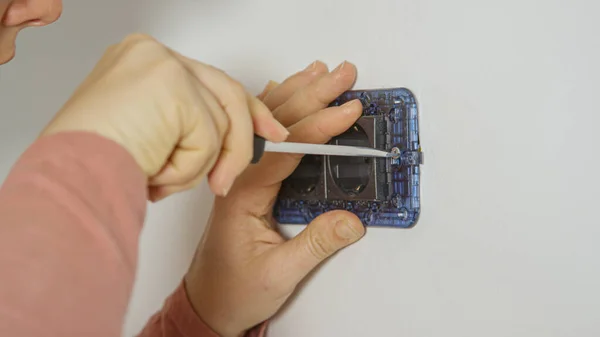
180	119
244	271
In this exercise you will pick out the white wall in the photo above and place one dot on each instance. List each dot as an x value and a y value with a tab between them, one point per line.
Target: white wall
507	244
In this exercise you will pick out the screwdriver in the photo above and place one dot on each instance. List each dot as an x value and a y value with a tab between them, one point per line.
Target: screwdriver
262	145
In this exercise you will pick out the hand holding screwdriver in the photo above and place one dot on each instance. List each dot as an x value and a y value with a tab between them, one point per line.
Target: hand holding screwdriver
180	119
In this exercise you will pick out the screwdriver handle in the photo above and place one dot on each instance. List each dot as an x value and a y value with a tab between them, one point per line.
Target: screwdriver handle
259	149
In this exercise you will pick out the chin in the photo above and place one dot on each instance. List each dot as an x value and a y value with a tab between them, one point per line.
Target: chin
7	49
6	55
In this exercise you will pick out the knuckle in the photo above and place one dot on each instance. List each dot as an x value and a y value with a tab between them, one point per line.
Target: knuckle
111	48
172	71
142	44
219	117
222	127
136	38
221	123
321	131
213	141
170	66
317	246
208	144
237	90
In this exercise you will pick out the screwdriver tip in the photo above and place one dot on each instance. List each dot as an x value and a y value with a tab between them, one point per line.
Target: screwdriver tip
394	153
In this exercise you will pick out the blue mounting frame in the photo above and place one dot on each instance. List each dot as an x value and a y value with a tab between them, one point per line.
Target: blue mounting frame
395	200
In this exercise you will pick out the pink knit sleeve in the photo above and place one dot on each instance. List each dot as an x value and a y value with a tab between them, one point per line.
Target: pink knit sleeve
71	211
178	318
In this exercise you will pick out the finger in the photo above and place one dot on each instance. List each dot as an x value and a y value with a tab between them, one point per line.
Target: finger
199	146
283	92
223	175
264	123
157	193
325	235
268	88
317	129
316	95
193	159
237	146
236	152
229	93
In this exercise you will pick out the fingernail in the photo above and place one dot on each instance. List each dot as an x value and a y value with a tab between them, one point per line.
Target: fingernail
283	130
271	85
227	189
345	230
338	68
266	89
311	66
349	107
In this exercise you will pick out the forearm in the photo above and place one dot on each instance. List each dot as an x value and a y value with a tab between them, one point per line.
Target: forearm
177	318
70	215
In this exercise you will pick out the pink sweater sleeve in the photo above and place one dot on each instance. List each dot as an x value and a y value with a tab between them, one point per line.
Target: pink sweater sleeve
71	211
178	318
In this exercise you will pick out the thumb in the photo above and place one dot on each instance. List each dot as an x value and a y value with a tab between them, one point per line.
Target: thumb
324	236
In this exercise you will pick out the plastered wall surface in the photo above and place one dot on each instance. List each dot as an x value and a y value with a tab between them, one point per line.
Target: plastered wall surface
507	244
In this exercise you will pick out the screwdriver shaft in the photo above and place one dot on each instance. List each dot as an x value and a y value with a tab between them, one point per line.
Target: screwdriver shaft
327	150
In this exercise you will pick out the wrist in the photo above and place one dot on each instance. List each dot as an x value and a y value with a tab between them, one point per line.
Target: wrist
148	161
217	319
